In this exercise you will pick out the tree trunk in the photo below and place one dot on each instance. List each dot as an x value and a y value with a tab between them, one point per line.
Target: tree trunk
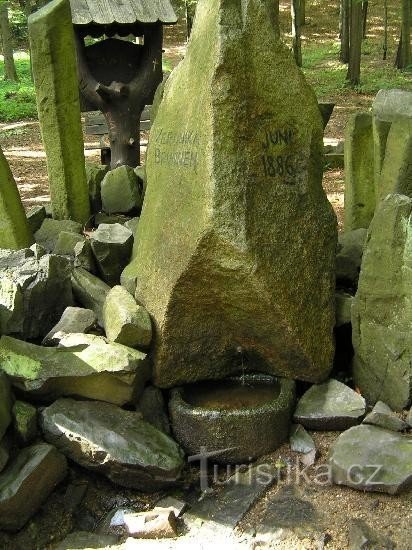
10	72
190	13
303	12
365	6
345	31
355	43
296	31
385	30
403	58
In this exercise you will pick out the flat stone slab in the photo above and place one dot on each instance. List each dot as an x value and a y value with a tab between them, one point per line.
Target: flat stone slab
90	367
27	482
113	442
383	416
330	406
236	497
368	458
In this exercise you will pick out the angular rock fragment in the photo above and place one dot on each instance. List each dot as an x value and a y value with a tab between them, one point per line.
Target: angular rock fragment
153	408
27	482
112	247
125	321
383	416
238	240
25	422
73	320
90	291
369	458
300	440
35	217
344	303
94	369
49	232
66	243
132	225
95	174
113	442
330	406
349	257
121	191
5	404
83	256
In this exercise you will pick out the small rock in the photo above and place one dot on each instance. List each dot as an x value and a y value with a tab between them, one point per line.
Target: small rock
27	482
66	243
112	247
125	321
121	192
132	225
113	442
38	251
178	506
300	440
95	174
159	523
343	308
48	234
5	404
153	408
102	217
83	256
349	257
330	406
369	458
90	291
35	217
91	368
4	454
74	320
362	537
140	172
25	422
383	416
86	540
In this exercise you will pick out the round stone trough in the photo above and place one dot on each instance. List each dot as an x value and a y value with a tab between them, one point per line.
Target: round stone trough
235	420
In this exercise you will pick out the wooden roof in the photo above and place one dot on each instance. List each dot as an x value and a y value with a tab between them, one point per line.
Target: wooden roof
121	12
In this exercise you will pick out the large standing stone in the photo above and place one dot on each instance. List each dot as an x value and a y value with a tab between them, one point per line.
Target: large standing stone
27	483
369	458
382	310
53	56
14	227
87	367
112	247
237	239
360	198
114	442
34	292
5	404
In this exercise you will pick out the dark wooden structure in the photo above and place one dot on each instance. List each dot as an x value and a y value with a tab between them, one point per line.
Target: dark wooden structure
118	77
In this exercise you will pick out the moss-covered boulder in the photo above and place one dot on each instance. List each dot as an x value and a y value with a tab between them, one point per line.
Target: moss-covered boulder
112	246
382	310
236	241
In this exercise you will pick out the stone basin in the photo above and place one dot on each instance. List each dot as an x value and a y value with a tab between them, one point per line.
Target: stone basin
236	420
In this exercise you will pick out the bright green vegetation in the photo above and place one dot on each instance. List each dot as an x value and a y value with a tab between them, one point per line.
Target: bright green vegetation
17	101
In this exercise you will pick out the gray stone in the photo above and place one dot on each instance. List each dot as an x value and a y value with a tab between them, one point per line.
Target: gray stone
112	247
35	217
102	217
330	406
48	234
349	257
95	174
73	320
125	321
33	293
121	192
178	506
54	65
360	200
90	291
66	243
300	440
222	260
27	482
83	256
368	458
132	225
113	442
4	454
390	105
25	422
38	251
153	408
90	368
86	540
381	312
140	172
383	416
5	404
344	303
362	537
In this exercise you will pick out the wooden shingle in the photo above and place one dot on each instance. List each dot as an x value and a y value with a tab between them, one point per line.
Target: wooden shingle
121	12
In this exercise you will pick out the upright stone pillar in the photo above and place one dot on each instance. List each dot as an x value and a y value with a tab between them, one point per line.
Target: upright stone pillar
360	198
236	247
382	310
14	228
57	89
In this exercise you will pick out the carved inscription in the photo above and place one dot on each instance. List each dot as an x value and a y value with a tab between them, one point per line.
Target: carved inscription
177	149
280	158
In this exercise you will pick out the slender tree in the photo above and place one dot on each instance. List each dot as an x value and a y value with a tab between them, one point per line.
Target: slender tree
296	31
385	29
355	43
10	72
403	58
303	12
344	30
365	6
